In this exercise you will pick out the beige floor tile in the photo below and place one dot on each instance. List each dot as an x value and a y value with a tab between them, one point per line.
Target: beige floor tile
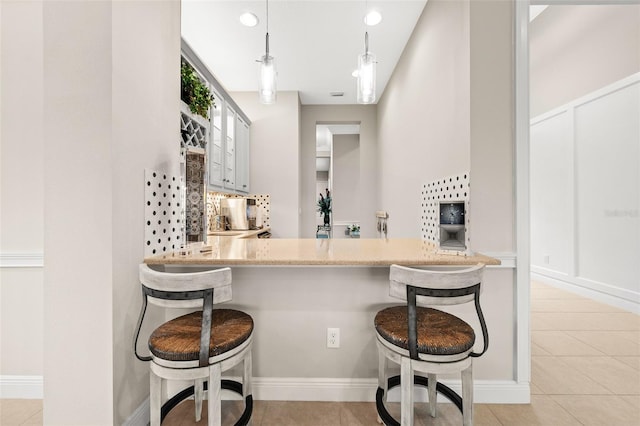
571	305
633	361
600	410
552	293
184	413
561	343
611	321
616	376
19	411
535	390
541	321
608	342
358	413
542	411
483	416
634	336
537	350
632	399
299	413
554	376
447	414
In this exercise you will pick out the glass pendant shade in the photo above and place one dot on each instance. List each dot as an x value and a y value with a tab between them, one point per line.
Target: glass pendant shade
366	78
268	91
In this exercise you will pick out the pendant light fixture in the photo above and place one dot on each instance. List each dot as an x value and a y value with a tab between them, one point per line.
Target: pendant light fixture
366	90
267	89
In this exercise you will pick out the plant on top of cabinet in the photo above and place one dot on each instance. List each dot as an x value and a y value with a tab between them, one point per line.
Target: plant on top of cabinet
194	92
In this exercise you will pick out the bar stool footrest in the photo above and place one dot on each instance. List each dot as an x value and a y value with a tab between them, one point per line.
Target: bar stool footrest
230	385
394	381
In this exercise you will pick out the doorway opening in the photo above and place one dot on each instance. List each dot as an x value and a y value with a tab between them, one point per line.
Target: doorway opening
338	176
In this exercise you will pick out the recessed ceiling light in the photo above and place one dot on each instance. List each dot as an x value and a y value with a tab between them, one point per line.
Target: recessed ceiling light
355	73
373	18
248	19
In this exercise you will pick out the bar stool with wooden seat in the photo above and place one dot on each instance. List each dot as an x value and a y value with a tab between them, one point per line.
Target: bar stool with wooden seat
197	346
428	340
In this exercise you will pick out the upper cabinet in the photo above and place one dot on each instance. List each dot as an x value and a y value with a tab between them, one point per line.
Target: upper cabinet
228	135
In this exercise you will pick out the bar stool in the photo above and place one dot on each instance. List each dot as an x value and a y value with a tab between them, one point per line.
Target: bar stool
197	346
428	340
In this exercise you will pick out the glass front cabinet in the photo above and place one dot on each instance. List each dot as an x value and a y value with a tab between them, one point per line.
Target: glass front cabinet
228	134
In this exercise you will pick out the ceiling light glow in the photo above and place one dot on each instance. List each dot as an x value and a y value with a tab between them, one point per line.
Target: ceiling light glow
248	19
373	18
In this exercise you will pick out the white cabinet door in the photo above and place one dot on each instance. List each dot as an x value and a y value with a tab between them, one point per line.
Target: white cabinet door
242	155
216	146
230	150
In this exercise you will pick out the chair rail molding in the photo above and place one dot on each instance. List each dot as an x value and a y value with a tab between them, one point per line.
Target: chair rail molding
21	260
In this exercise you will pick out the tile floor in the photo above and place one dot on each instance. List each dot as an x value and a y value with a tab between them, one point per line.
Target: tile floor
585	370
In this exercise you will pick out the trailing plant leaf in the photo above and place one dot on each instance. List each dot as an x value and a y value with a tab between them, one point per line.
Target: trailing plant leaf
194	92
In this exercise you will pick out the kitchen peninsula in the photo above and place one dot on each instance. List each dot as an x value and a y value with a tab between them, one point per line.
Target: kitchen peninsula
229	251
297	288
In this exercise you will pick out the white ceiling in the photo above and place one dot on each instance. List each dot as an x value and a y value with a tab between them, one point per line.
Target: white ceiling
315	43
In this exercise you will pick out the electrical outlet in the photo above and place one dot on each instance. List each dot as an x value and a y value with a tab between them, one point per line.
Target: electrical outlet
333	337
546	259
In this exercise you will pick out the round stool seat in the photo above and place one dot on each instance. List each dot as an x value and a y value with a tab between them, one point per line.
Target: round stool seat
179	339
439	333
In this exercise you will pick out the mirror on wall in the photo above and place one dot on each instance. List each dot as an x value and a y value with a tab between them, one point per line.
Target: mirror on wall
338	170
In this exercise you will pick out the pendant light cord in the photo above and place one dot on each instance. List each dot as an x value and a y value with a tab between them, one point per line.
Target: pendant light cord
366	32
267	38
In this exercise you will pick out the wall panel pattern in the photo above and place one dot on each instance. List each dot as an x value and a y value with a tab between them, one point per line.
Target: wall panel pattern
163	213
449	188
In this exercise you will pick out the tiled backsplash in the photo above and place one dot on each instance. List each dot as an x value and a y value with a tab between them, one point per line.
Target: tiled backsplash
263	202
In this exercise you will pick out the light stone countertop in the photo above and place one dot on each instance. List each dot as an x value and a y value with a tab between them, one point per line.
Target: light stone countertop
291	252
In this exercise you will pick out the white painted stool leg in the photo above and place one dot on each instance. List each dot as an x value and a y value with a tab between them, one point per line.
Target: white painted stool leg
467	396
155	399
198	395
406	383
382	378
246	379
382	374
214	405
433	396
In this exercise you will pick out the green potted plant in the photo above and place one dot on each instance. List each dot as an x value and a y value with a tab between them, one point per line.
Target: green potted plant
324	207
354	230
194	92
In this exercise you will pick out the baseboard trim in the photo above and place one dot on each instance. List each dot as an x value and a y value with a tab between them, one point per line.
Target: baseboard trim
21	387
140	417
353	390
600	294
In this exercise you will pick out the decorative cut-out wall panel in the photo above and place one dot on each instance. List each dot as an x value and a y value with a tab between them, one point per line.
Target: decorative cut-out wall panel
163	214
263	201
447	189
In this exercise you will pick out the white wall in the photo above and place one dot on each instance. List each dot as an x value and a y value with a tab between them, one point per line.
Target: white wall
423	115
585	199
21	197
575	50
145	134
104	125
275	135
584	145
365	115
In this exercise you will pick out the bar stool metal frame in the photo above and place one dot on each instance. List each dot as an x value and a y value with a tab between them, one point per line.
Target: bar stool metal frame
194	290
429	287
